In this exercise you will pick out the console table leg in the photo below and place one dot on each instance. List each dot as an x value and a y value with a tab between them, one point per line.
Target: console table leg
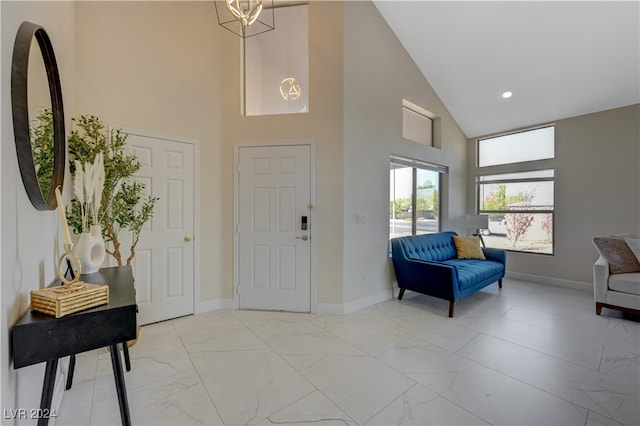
121	389
72	367
47	391
125	351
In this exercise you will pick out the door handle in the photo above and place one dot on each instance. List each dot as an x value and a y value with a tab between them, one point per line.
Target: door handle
187	239
303	238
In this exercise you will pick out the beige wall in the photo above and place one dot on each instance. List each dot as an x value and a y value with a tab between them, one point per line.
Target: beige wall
140	67
378	75
596	192
323	124
29	237
156	66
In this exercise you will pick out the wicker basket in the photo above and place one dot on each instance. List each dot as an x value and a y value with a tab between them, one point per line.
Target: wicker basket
69	298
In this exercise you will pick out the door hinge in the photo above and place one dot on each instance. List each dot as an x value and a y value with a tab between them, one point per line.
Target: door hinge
238	289
237	229
237	167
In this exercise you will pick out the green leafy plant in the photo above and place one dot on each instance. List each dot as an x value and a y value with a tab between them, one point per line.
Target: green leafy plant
124	206
42	148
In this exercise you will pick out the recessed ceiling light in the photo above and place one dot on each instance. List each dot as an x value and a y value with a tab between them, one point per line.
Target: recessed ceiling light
507	95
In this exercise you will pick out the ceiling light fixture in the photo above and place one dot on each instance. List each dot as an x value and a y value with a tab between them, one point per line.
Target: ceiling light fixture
507	95
245	18
246	11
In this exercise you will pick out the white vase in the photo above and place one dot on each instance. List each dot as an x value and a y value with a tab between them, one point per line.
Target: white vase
90	249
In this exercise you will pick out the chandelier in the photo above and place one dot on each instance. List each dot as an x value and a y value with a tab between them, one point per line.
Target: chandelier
245	18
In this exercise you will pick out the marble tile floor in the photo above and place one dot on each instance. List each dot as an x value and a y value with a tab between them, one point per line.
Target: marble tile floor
528	354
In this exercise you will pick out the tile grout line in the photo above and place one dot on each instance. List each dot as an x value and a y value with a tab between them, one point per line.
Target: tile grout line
197	372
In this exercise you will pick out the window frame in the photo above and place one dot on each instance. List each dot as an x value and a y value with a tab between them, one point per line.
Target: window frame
422	165
421	113
539	165
517	132
299	83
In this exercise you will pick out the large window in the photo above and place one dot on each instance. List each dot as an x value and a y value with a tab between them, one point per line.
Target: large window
414	197
520	204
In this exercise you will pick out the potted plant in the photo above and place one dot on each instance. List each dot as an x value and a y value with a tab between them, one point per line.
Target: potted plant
123	206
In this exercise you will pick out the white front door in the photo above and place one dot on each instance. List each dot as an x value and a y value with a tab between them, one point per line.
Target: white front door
164	262
274	248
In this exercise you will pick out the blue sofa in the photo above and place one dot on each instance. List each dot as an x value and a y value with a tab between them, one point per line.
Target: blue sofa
428	264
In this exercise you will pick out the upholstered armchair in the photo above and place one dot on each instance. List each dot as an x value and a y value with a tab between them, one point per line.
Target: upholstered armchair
616	274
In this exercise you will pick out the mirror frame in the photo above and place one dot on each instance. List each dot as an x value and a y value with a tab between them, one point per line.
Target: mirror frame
21	123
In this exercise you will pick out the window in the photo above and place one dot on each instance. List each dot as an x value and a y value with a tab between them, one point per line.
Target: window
520	204
531	145
414	197
417	124
276	65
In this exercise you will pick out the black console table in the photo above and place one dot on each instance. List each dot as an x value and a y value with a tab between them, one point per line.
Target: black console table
37	337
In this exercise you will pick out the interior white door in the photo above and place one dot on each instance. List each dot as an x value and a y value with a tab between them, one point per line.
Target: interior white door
274	248
164	261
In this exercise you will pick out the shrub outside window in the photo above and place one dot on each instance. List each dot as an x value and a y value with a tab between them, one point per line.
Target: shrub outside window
520	208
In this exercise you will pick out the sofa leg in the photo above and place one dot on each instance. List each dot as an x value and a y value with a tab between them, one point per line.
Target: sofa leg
598	308
451	302
500	283
401	294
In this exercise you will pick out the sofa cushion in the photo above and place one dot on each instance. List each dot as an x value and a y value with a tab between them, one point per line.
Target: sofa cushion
468	248
617	253
625	283
473	271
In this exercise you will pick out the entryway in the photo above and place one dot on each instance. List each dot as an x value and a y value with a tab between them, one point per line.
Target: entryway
164	263
274	227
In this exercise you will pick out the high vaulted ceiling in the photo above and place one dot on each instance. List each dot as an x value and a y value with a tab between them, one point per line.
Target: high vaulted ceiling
559	58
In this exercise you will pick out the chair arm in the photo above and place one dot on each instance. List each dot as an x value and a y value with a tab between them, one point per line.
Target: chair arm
497	255
600	280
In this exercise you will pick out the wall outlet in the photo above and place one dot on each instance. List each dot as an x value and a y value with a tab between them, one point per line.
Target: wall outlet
361	218
363	279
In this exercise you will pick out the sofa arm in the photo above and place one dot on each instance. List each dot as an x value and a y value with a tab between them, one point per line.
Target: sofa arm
600	280
497	255
433	278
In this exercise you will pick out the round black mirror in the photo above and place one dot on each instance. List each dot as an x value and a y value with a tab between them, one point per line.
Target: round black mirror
38	129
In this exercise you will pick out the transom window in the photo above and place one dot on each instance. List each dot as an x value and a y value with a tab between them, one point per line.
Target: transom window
530	145
417	123
276	65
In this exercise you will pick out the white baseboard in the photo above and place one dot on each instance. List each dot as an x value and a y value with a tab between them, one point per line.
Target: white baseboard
557	282
214	305
356	305
329	309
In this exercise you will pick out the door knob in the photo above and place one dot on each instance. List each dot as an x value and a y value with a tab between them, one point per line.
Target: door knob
187	239
303	238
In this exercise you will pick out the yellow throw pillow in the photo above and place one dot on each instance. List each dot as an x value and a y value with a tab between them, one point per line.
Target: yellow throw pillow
468	248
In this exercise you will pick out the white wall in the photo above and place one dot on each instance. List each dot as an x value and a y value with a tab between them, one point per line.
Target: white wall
597	169
30	243
378	75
